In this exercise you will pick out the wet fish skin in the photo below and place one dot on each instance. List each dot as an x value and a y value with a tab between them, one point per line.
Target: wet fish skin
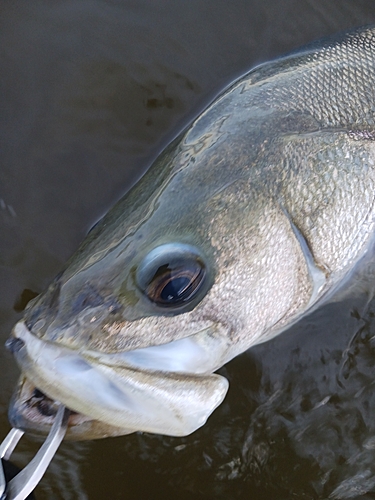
273	184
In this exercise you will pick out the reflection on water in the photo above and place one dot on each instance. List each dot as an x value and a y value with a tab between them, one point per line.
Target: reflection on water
63	478
90	92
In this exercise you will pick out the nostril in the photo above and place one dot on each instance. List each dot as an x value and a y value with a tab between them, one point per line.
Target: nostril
14	344
87	297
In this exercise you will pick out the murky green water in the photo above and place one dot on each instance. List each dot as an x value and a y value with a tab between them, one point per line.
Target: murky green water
90	92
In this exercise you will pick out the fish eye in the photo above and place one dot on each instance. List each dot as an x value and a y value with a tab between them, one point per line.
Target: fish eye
172	275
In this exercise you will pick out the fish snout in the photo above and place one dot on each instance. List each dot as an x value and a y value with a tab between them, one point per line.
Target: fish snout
59	315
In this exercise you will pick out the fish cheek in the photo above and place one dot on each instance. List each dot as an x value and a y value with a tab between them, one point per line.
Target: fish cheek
263	278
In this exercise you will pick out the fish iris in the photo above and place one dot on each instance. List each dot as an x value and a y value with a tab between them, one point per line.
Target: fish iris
171	275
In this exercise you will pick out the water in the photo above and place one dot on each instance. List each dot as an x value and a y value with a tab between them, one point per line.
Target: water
90	93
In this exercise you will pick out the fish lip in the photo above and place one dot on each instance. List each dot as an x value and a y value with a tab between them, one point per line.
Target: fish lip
125	398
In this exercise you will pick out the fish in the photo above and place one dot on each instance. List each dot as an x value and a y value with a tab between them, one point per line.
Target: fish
250	219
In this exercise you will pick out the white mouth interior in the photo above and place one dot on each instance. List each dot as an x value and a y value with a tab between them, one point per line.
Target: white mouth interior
159	389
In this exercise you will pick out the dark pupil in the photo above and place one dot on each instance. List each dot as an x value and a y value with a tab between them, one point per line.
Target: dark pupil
173	285
174	289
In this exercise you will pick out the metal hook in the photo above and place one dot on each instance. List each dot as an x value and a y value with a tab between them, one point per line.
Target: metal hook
26	480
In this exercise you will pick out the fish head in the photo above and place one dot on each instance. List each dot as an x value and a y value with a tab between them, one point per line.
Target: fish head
197	263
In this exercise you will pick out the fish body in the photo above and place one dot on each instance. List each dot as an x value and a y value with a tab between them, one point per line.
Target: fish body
248	220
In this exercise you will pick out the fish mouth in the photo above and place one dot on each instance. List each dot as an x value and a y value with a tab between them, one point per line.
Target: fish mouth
154	389
34	412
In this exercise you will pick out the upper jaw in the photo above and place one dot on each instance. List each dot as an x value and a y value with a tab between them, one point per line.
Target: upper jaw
163	389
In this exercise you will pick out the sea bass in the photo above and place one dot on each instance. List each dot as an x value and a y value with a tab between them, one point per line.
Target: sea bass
248	220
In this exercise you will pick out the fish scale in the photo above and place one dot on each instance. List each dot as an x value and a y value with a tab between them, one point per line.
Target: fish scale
349	184
345	86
